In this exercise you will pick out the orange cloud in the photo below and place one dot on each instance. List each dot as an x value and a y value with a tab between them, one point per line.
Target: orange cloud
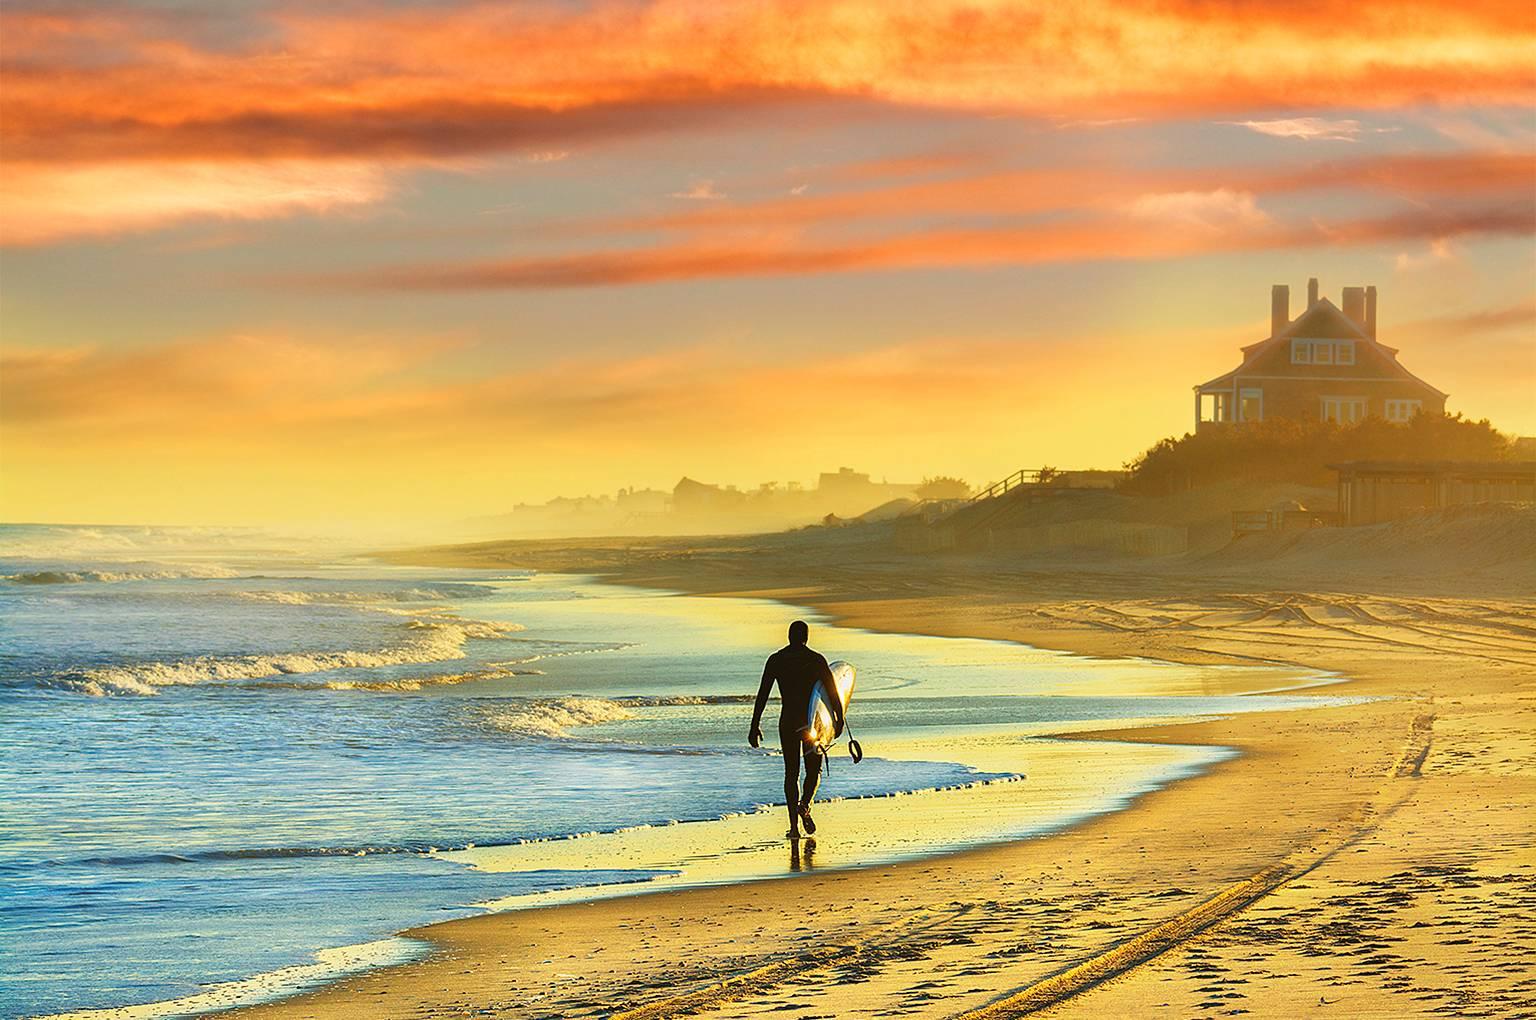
40	203
1022	192
391	86
1474	324
1158	226
478	77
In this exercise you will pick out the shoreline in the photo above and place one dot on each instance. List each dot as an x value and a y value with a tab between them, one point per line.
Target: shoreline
1359	770
847	813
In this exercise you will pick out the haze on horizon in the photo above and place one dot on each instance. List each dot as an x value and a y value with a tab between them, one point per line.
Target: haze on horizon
405	261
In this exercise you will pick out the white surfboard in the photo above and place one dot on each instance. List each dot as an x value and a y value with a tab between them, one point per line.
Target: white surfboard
819	732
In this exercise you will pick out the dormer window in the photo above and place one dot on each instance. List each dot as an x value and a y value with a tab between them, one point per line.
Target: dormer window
1322	352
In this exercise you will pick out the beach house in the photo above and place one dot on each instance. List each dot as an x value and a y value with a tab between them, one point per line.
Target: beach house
1327	363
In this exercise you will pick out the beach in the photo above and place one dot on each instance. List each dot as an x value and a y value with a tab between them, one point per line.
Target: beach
244	770
1370	859
637	509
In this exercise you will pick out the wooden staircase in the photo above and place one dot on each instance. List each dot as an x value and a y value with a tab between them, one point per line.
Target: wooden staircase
1023	476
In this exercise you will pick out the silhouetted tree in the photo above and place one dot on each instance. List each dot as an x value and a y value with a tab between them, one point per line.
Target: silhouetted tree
943	487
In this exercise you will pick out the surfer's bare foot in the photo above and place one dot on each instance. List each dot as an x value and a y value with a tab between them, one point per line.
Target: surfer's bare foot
810	826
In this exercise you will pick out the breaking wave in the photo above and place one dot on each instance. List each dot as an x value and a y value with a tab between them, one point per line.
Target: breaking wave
435	593
419	683
427	641
114	576
554	717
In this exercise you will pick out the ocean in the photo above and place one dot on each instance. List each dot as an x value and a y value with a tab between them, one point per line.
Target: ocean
224	753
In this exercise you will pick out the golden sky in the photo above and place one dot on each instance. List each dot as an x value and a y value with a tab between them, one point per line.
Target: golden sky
392	261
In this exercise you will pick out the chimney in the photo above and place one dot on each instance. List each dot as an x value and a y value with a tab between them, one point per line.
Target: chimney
1370	312
1279	308
1354	304
1312	292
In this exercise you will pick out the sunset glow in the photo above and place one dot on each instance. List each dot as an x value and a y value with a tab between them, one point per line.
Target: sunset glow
421	261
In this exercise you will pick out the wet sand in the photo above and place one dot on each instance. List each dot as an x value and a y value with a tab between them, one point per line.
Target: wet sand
1370	860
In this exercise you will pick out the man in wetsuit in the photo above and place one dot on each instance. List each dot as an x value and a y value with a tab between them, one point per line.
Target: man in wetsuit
796	668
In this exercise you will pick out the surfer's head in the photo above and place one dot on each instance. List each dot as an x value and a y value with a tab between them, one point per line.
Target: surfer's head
799	633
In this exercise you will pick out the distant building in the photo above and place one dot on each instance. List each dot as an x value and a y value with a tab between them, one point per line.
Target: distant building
643	501
842	482
1326	364
691	497
848	493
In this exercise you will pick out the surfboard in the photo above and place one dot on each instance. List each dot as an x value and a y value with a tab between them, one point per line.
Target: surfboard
819	732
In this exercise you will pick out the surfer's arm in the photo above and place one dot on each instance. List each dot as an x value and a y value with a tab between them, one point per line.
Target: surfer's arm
763	689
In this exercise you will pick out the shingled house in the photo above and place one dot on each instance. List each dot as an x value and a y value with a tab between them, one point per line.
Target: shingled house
1325	364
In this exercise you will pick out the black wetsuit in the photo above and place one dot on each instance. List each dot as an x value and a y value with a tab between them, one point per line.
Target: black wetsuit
796	668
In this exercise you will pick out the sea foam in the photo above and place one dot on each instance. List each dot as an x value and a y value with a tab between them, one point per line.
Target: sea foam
554	717
366	599
117	576
426	641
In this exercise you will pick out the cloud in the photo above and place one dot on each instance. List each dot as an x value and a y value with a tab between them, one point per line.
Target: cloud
1036	216
454	78
1021	192
1169	226
1520	316
401	87
1309	129
41	204
1438	251
1218	210
699	191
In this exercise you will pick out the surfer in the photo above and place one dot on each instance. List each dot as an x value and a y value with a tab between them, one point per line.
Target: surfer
797	669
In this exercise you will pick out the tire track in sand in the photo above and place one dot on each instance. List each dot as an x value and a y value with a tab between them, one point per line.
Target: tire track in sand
896	940
1075	980
889	942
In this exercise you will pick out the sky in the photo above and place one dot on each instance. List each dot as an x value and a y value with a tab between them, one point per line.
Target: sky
394	261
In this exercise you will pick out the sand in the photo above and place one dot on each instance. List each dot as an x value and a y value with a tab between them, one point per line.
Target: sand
1369	860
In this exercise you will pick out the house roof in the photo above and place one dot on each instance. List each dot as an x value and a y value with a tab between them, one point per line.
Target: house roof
1323	320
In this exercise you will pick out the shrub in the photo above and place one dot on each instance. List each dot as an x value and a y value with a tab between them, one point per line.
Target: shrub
943	487
1299	452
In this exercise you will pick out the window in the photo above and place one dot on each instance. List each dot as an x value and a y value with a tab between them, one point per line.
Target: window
1214	406
1343	409
1322	352
1250	405
1403	410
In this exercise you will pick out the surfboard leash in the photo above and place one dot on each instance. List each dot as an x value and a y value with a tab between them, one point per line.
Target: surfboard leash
854	750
